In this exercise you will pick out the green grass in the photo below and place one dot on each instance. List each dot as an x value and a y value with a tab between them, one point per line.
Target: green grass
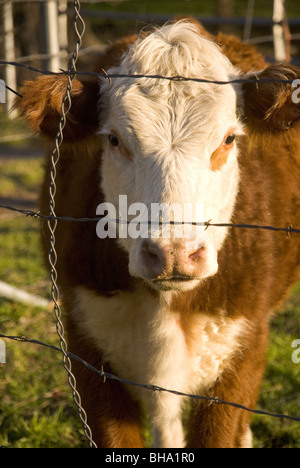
21	264
106	30
280	389
12	127
36	407
22	176
193	7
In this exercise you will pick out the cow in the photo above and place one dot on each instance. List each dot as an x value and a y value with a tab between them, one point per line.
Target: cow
187	312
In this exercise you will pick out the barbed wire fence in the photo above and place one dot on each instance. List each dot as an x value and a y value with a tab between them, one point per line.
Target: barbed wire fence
154	388
52	220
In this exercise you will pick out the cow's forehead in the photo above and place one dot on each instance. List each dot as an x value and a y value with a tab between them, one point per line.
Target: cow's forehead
172	119
177	50
177	108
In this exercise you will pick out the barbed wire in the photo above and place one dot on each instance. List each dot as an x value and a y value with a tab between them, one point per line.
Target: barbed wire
254	80
36	214
154	388
13	91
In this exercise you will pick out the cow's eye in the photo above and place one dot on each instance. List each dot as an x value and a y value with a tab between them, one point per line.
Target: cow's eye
114	141
230	139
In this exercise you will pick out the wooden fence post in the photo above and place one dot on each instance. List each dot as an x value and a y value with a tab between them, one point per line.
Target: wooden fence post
51	34
278	31
9	54
63	32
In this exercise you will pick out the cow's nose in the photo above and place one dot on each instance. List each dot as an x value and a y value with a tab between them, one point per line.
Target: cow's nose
154	259
182	260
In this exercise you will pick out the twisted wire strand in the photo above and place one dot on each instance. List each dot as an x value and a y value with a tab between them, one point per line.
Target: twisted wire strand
79	27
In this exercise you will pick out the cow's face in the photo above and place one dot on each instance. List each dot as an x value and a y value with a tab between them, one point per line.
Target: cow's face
167	143
172	144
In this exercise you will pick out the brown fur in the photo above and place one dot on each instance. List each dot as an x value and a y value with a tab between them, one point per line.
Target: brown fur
244	56
272	102
256	267
43	110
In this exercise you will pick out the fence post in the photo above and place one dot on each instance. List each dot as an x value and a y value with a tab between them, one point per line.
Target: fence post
51	34
63	32
225	9
9	54
249	20
278	30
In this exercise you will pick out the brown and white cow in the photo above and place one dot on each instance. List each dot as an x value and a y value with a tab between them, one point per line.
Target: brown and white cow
186	313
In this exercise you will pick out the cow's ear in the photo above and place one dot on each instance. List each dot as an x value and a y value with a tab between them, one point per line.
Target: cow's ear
41	106
272	105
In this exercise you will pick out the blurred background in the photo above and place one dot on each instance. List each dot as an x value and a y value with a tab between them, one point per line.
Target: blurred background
36	407
40	34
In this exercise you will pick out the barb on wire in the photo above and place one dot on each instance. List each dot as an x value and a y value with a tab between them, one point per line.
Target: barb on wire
154	388
36	214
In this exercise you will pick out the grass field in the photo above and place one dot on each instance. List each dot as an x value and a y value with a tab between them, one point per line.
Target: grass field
107	29
36	407
194	7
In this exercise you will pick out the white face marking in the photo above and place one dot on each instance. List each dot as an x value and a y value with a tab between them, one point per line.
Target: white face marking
164	134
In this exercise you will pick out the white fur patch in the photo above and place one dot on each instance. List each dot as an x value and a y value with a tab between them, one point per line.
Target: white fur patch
143	341
246	439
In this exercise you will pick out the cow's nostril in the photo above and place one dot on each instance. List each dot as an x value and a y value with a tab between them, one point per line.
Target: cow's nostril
197	253
154	258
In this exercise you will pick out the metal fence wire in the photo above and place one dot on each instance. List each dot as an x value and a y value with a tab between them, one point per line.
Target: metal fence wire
52	220
153	388
255	80
79	28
